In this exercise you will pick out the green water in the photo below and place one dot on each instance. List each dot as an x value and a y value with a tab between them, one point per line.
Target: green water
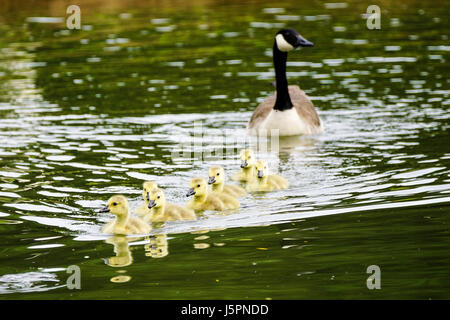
85	114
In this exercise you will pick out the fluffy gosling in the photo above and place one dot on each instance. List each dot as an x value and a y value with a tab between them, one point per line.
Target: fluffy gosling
123	223
217	182
160	210
147	187
247	166
264	181
206	200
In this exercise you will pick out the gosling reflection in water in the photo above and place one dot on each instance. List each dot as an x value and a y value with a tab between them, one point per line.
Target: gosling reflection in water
158	246
122	250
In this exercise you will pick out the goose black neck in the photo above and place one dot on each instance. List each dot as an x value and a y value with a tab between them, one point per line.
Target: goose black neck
283	101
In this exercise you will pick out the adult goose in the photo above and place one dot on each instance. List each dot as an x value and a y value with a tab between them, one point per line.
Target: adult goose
289	110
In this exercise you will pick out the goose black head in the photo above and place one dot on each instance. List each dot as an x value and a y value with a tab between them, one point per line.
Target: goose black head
288	39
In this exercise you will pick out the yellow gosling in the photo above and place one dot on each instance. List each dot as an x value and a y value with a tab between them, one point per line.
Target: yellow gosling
217	182
123	223
160	210
147	187
247	166
206	200
265	181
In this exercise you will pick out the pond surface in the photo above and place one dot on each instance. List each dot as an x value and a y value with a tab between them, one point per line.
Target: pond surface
85	114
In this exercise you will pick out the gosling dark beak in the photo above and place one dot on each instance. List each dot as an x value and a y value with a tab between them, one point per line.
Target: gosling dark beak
260	174
148	196
151	204
244	164
302	42
102	210
191	192
211	180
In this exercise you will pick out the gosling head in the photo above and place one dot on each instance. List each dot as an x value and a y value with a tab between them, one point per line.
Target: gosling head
117	205
247	158
198	187
216	175
288	39
147	187
261	169
156	198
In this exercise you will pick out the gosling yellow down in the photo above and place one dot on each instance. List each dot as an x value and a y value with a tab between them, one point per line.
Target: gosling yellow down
264	181
206	200
217	182
247	166
147	187
123	223
161	210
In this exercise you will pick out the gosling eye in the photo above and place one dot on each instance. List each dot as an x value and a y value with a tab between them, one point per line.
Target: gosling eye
198	186
159	197
218	174
114	204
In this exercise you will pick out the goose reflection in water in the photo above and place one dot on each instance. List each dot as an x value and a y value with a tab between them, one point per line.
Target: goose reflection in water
157	246
122	250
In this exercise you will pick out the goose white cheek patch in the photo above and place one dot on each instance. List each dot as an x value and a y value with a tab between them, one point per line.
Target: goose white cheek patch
282	44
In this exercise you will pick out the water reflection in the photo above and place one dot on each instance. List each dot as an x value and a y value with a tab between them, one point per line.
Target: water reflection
122	250
157	246
34	281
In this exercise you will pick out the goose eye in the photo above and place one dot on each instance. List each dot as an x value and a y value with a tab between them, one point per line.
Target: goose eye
114	203
198	186
159	197
218	174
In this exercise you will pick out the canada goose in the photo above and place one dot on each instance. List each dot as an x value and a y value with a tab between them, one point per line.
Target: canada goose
265	181
289	110
247	166
161	210
123	223
147	187
217	182
205	200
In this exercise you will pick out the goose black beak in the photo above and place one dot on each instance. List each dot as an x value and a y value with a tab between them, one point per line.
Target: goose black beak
191	192
260	174
302	42
211	180
244	164
102	210
151	204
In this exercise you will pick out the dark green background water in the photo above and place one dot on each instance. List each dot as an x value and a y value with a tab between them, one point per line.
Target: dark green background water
88	113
